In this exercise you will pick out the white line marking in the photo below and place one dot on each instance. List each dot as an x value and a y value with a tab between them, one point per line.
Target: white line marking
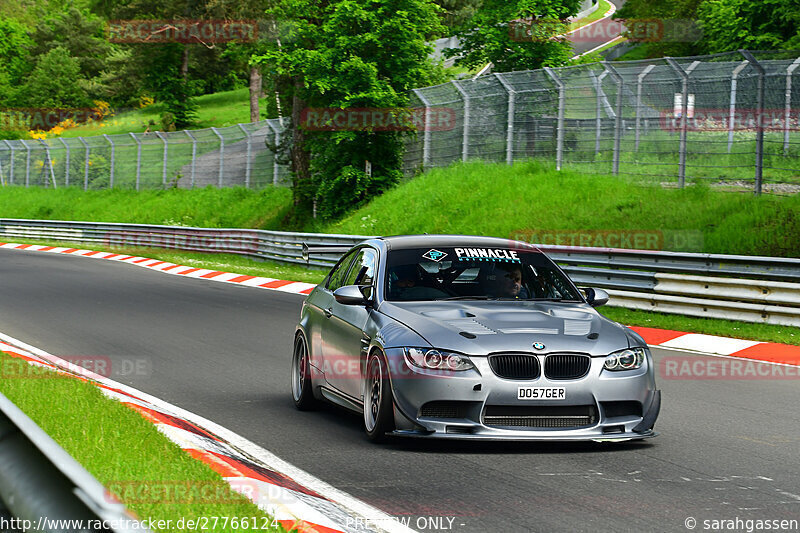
709	343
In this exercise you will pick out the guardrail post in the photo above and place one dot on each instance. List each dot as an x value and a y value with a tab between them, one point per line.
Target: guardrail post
138	159
684	74
465	129
2	179
27	162
732	113
639	82
66	160
221	155
759	118
618	119
10	163
787	114
85	164
194	155
247	162
560	124
111	174
512	102
49	162
164	159
426	139
275	165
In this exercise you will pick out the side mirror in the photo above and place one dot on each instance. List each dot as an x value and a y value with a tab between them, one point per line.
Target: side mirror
351	295
596	297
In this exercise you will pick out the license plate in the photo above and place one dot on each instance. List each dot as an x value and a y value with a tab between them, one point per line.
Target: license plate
541	393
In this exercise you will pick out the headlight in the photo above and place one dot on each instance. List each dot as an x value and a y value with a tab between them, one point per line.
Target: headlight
433	359
629	359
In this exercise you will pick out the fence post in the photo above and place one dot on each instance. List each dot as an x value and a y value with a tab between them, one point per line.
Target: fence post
426	139
111	174
512	102
221	155
759	118
465	129
732	113
194	155
787	115
618	118
164	158
27	162
138	158
11	163
639	81
598	88
275	166
247	162
684	74
49	162
85	163
560	125
66	160
2	179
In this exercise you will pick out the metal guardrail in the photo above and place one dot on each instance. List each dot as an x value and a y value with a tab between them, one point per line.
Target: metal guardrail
41	483
748	288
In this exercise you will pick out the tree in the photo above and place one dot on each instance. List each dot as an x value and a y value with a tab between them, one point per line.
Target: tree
734	24
680	12
15	62
348	54
495	35
456	14
55	82
81	33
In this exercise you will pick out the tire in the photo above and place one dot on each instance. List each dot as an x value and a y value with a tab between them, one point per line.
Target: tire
378	410
302	386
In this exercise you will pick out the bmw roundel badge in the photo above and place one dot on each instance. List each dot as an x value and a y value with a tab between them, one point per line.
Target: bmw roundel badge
538	345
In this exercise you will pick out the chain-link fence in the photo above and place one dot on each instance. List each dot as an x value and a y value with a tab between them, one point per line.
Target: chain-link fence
235	155
732	117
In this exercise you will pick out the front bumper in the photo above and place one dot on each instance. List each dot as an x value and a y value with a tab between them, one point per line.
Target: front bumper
479	391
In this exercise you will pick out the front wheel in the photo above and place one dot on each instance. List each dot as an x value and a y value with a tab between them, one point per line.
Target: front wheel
302	392
378	412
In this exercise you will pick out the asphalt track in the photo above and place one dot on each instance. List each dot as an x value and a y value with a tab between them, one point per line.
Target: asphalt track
727	450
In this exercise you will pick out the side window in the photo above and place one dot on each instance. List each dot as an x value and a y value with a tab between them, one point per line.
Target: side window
336	277
363	271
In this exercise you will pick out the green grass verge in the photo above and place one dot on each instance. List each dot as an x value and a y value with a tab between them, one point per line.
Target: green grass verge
120	448
221	109
209	207
499	200
710	326
597	14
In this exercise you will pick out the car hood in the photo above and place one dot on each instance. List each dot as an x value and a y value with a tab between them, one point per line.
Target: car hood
479	328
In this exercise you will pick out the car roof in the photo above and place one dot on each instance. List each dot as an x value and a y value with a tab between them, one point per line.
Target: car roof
401	242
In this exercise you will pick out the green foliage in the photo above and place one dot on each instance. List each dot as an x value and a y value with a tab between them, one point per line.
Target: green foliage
680	10
80	33
455	14
166	82
734	24
349	54
14	57
496	34
55	82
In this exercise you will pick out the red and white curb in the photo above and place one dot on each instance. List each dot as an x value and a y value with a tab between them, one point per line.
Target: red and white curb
293	497
771	352
282	285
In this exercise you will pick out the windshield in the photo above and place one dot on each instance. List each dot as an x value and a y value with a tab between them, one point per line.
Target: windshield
425	274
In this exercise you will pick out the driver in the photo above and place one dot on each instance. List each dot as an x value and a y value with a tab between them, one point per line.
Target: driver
507	282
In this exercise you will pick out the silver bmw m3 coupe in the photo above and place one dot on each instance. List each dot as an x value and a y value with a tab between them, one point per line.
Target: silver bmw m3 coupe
459	337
